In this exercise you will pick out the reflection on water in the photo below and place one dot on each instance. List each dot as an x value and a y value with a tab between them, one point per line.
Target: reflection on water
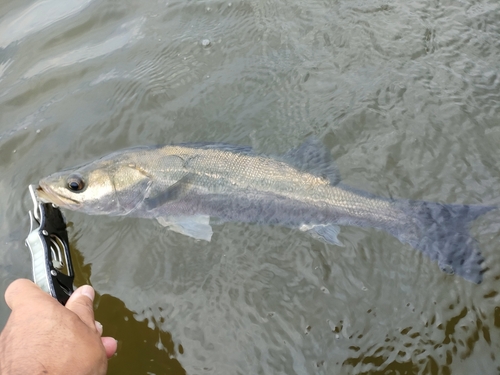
406	95
127	34
38	16
146	346
140	343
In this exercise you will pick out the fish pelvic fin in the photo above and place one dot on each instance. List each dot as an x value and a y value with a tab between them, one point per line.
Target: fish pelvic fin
441	231
313	157
325	233
196	226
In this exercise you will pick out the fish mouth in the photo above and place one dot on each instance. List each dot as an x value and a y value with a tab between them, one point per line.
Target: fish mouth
47	195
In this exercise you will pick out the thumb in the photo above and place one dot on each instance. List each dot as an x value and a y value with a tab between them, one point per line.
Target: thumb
81	303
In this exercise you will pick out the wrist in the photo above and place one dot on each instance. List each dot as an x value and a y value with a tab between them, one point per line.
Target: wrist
12	360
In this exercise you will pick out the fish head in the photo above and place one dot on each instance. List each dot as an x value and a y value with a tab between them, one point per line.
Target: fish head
103	187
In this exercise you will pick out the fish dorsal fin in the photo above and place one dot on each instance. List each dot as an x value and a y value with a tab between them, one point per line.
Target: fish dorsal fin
312	156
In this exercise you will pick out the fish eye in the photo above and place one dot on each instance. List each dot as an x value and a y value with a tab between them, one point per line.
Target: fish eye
75	183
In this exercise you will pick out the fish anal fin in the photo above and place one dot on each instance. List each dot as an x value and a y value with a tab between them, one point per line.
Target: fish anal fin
196	226
313	157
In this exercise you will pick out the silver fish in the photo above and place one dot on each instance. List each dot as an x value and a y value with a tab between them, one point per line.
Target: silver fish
182	186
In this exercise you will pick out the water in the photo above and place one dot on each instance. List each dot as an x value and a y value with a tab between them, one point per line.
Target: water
406	96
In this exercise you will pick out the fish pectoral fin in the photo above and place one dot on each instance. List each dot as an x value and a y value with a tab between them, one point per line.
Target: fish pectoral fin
157	197
313	157
326	233
196	226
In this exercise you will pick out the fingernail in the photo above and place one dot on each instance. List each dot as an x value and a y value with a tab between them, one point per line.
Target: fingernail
88	291
98	326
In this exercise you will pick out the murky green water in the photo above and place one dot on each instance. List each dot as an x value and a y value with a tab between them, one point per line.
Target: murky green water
405	94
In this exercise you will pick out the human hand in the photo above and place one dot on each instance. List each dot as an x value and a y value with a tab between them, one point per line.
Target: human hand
44	337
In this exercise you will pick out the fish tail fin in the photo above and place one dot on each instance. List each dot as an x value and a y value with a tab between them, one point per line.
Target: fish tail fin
441	231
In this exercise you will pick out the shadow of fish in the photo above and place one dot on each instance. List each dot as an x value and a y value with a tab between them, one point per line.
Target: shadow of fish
182	186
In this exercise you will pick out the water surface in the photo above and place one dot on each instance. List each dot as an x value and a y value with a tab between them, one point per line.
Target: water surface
406	95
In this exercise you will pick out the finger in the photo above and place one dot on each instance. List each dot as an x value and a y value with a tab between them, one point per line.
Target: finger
110	345
24	291
98	327
80	303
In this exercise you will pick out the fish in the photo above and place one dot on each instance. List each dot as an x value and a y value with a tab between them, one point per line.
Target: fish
185	186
